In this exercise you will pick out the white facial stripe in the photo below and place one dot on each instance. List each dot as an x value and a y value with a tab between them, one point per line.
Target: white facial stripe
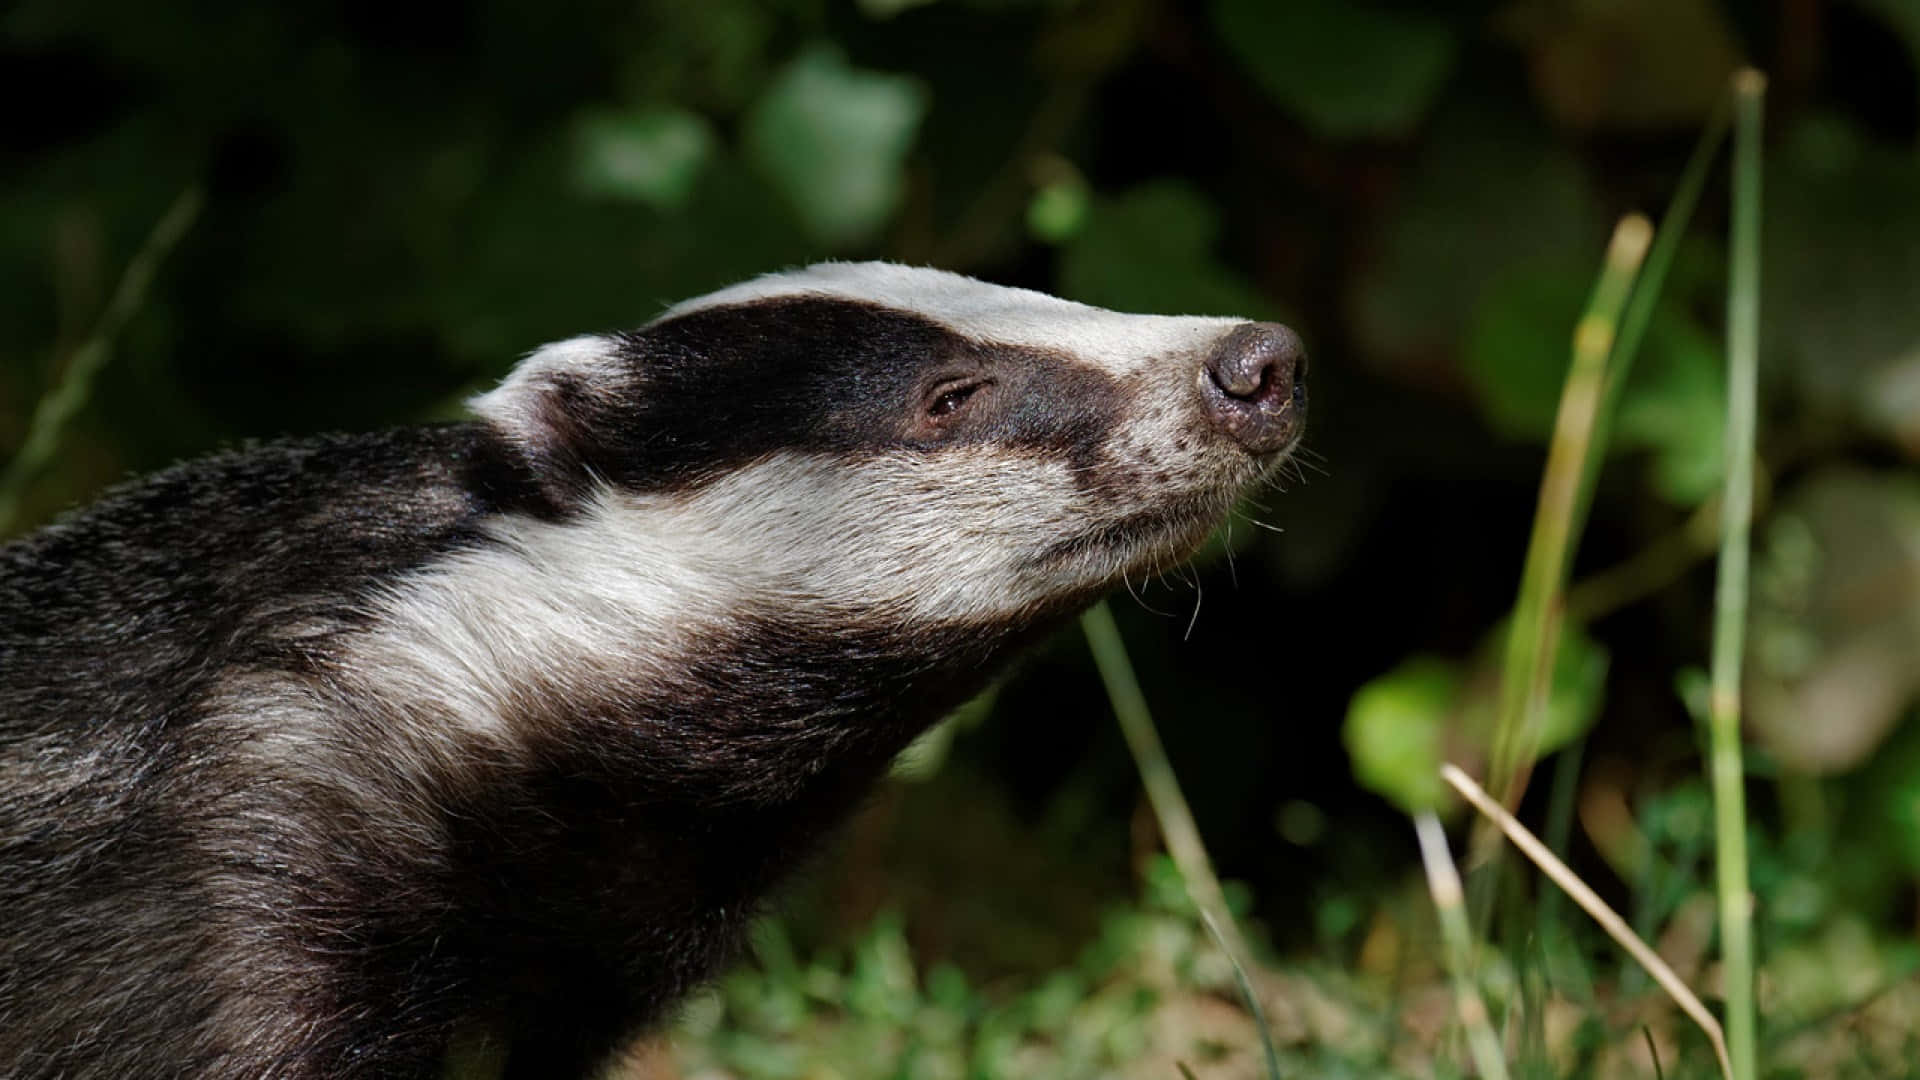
636	581
1115	342
545	607
934	538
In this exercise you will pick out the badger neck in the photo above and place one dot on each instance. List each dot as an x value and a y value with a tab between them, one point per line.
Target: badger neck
653	824
784	715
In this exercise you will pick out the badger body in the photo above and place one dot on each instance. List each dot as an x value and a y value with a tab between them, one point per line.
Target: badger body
318	757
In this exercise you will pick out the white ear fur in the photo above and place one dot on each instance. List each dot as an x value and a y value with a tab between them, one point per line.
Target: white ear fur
519	406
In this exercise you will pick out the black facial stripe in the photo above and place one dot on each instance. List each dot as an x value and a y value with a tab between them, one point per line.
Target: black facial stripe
715	389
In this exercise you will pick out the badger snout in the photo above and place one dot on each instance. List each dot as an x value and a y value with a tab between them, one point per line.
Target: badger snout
1254	386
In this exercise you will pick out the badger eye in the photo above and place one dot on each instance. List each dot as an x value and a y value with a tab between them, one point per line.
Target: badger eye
949	400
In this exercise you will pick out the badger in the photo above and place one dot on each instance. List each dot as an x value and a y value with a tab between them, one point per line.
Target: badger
324	756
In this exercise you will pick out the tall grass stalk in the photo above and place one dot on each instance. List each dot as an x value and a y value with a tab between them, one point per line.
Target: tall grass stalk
1163	794
1610	921
1652	281
1533	636
1449	903
1562	793
1517	734
60	404
1730	600
1247	993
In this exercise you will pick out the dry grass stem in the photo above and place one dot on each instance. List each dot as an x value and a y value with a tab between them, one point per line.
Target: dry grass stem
1609	920
1449	902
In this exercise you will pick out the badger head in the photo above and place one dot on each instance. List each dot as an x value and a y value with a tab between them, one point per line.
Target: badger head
882	439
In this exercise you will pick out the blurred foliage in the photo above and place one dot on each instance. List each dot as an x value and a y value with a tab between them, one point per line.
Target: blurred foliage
1673	407
870	1013
401	200
1402	726
1305	54
1151	250
1837	618
832	140
1634	64
651	155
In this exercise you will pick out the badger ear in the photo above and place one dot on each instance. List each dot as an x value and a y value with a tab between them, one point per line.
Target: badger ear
555	400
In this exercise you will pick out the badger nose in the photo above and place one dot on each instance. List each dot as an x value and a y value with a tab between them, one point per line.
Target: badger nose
1254	385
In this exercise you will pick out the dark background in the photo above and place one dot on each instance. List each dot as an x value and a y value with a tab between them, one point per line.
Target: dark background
400	199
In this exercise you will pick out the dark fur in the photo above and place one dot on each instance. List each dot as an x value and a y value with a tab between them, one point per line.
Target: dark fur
552	901
801	373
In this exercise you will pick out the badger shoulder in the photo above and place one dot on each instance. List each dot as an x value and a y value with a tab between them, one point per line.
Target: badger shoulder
171	577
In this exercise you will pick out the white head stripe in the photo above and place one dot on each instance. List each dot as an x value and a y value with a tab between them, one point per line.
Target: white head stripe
984	312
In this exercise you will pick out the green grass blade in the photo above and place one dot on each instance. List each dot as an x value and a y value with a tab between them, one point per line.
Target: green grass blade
1252	999
61	403
1156	775
1730	600
1449	903
1646	296
1621	309
1533	634
1616	928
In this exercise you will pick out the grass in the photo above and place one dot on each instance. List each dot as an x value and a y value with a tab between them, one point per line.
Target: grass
1604	343
1169	805
1570	883
1591	390
58	406
1730	606
1533	641
1496	998
1449	901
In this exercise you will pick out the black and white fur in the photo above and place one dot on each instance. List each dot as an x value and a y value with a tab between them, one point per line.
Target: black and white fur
318	756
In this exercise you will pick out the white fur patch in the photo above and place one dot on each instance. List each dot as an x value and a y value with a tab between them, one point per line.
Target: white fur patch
513	405
1115	342
916	538
931	539
629	586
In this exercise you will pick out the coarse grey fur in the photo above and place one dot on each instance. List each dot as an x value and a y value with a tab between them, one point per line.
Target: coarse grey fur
318	756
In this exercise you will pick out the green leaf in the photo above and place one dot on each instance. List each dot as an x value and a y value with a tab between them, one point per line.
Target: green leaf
1349	69
923	757
1396	731
1404	724
1574	694
833	138
1675	404
1892	782
1151	251
652	156
1059	210
1486	198
1518	349
883	984
1577	691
